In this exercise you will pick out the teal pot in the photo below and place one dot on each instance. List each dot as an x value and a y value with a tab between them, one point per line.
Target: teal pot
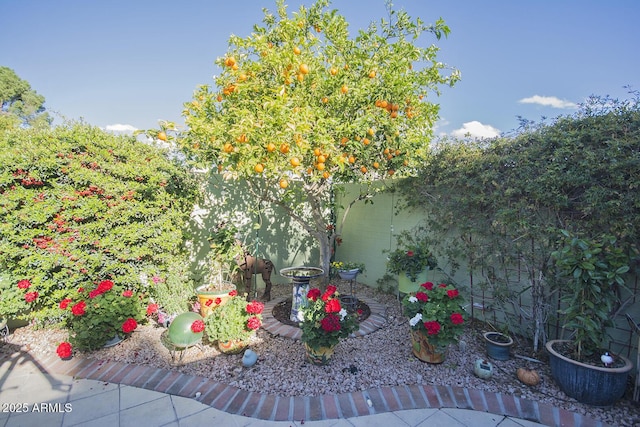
406	286
498	345
588	384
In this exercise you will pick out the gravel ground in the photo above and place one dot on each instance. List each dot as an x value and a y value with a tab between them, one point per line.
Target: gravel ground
382	358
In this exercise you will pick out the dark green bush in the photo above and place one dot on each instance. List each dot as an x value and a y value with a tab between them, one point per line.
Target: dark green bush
79	205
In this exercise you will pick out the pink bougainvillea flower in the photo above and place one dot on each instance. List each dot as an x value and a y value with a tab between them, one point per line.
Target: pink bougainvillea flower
24	284
197	326
31	296
64	350
129	325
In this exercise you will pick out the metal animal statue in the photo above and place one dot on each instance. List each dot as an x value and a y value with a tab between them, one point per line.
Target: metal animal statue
250	265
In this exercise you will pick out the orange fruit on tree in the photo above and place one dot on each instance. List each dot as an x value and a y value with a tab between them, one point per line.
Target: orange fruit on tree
162	136
352	159
325	99
344	140
376	165
316	152
271	147
366	141
230	61
321	158
391	171
219	98
300	77
284	148
284	183
326	175
363	169
242	77
370	131
304	69
383	104
394	114
344	89
228	148
372	74
259	168
295	162
296	50
386	151
333	71
242	138
320	166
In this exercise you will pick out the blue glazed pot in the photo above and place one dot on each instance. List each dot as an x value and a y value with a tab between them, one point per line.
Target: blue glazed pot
592	385
498	345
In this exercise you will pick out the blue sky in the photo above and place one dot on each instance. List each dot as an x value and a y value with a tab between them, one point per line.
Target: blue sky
125	64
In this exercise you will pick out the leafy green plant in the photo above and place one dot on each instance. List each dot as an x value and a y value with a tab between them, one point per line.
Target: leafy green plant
236	319
324	321
79	204
412	255
437	310
97	314
593	271
348	265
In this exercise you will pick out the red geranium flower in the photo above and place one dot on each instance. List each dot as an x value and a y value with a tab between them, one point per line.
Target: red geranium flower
330	323
253	323
422	297
105	286
78	308
30	296
152	308
128	293
94	293
331	289
255	307
24	284
197	326
452	293
457	319
332	306
428	286
64	350
313	294
442	285
65	303
129	325
409	253
432	327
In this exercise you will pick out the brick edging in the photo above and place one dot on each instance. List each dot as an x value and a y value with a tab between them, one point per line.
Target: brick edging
311	408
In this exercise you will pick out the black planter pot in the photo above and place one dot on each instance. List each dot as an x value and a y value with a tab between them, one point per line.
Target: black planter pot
592	385
498	345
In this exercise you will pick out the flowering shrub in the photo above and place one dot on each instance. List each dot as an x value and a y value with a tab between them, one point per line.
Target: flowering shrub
237	319
436	310
64	350
411	257
324	321
94	316
76	203
347	265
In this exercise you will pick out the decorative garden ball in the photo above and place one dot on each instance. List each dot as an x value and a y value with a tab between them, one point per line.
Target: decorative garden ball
249	358
181	333
483	369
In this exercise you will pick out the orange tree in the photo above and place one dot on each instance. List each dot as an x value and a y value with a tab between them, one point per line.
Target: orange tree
301	107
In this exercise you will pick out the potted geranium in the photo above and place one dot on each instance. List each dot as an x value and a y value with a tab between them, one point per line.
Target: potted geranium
348	270
232	324
410	261
436	319
592	273
99	315
324	322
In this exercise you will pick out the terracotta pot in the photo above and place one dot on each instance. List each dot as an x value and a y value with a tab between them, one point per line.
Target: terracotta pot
207	298
423	350
320	356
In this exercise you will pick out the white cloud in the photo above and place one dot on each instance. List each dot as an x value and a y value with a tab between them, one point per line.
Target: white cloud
120	128
475	129
548	101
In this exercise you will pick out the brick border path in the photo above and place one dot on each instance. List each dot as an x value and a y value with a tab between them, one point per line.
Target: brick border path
279	408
